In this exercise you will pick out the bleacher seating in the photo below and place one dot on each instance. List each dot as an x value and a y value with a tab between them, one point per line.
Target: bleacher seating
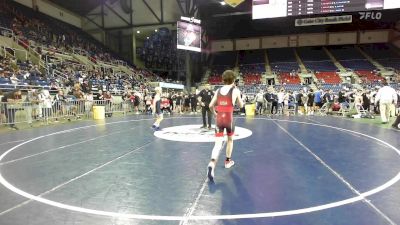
358	64
289	87
282	60
252	57
285	67
351	58
281	55
380	51
289	78
335	87
312	54
392	63
328	77
215	80
368	76
320	66
252	73
159	51
252	89
222	61
45	34
225	58
384	54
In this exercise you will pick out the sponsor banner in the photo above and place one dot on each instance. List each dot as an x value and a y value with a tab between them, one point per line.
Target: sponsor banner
171	85
370	15
323	20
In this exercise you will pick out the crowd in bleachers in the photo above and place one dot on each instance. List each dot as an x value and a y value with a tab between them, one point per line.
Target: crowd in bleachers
159	51
49	37
43	32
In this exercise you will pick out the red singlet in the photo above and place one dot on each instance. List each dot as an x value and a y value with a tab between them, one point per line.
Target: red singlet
224	118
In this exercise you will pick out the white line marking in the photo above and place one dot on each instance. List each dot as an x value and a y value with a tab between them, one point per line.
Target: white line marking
75	178
10	142
192	208
340	177
315	121
210	217
62	147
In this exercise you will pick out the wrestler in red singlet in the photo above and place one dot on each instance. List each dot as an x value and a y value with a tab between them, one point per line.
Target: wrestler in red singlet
224	118
222	104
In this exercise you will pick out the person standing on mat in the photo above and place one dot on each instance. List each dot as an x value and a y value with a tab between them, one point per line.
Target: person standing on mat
386	96
222	105
205	97
156	108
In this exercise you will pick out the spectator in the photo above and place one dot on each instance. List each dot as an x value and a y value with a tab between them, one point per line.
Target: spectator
10	105
386	96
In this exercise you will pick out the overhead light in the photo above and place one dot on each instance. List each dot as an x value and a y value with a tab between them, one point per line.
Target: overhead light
155	30
138	31
147	37
223	3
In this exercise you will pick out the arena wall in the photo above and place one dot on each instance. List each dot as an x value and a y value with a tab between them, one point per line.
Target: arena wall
247	44
342	38
366	37
54	11
222	45
303	40
275	42
312	40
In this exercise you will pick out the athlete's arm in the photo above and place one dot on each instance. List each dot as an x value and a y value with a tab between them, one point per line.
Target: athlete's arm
212	104
236	97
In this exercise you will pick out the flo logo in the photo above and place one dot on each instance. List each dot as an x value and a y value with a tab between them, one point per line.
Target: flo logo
193	133
370	15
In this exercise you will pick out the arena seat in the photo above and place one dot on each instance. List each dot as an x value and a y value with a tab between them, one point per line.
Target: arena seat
328	77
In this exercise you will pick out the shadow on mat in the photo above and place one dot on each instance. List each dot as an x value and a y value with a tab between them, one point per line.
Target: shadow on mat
235	200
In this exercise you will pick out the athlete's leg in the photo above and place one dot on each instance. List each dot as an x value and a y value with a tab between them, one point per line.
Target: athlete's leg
217	148
158	120
219	140
230	131
229	147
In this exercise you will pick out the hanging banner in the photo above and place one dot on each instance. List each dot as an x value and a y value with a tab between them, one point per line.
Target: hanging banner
323	20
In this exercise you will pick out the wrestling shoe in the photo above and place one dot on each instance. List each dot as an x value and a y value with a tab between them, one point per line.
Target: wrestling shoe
157	129
210	171
153	126
229	163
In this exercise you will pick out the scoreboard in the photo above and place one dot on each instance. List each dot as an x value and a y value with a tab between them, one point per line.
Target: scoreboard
281	8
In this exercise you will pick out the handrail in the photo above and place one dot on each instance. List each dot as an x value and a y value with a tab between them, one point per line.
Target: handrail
14	49
7	29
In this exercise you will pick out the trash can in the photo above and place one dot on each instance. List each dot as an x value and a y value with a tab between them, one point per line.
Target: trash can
99	112
250	109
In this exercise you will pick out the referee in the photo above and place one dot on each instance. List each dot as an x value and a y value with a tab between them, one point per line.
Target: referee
205	97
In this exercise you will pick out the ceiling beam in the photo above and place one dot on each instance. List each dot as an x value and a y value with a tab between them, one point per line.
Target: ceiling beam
131	8
94	22
117	14
180	7
187	7
162	10
152	11
102	14
193	8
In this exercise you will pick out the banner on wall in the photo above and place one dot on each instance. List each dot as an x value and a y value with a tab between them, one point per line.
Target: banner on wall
323	20
370	15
